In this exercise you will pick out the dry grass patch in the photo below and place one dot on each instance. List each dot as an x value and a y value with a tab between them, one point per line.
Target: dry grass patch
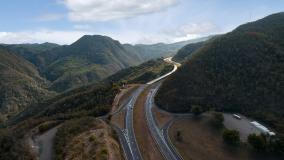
118	119
95	144
161	117
146	143
198	140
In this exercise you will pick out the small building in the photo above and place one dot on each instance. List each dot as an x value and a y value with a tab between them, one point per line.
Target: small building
262	128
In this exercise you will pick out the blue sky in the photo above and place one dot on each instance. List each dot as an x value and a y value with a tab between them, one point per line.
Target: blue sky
129	21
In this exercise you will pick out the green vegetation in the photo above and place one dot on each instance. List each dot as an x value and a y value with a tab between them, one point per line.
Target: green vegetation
184	53
11	148
196	110
68	131
257	141
231	137
152	51
217	119
241	71
47	125
90	59
142	73
20	84
92	100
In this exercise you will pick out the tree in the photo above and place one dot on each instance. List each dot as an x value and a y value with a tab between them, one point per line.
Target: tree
258	142
196	110
218	119
231	137
2	118
179	137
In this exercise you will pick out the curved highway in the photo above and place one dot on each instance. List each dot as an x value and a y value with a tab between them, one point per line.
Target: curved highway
167	150
127	135
160	136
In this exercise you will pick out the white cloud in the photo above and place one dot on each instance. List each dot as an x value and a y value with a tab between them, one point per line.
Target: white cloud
51	17
190	31
179	33
59	37
83	27
104	10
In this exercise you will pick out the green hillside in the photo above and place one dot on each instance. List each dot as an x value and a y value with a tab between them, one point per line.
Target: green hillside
153	51
20	83
89	59
142	73
241	71
186	51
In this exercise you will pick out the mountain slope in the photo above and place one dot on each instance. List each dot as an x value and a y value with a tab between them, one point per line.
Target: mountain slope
20	83
142	73
153	51
241	71
89	59
30	52
187	50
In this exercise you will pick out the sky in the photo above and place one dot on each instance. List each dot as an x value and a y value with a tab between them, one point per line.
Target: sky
129	21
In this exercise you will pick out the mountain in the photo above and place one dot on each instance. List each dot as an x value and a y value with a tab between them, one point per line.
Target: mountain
241	71
142	73
30	52
153	51
89	59
186	51
20	83
90	100
76	111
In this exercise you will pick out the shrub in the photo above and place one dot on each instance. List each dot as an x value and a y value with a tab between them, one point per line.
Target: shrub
231	137
178	136
93	139
218	119
196	110
258	142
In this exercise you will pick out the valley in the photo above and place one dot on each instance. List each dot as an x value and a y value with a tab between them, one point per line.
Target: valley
214	97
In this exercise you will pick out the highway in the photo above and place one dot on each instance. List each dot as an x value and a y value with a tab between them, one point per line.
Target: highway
129	130
168	60
127	135
167	150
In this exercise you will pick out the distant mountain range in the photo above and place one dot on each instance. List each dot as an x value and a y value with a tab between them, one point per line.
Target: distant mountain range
32	72
241	71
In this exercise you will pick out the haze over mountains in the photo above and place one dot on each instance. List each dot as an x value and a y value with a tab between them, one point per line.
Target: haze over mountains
32	72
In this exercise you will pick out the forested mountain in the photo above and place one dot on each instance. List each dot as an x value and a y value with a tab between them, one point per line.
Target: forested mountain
58	68
142	73
89	59
242	71
187	50
20	83
159	50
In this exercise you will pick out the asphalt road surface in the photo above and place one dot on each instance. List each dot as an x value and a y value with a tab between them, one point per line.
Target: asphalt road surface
166	149
45	144
242	125
126	135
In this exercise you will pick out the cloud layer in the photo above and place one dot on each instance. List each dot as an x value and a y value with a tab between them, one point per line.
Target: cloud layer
59	37
104	10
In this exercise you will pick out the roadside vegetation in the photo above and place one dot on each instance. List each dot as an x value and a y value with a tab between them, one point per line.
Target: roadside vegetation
86	139
211	140
241	71
142	73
